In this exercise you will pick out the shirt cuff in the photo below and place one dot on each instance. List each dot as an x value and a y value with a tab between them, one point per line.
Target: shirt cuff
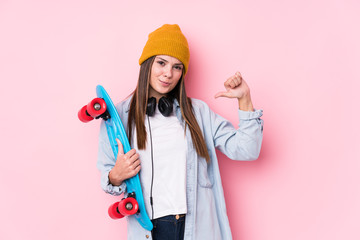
111	189
115	190
248	115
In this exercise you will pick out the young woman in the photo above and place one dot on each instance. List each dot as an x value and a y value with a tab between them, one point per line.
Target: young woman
174	140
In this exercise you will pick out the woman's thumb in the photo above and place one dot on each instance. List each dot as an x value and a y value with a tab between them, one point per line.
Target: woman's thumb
120	148
221	94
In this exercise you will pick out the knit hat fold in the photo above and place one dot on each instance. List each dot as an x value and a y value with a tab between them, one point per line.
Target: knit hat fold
167	40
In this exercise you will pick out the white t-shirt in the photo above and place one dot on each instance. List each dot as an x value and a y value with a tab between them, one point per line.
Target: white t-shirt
169	160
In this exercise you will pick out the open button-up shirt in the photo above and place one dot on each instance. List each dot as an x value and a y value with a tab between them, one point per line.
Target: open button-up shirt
206	216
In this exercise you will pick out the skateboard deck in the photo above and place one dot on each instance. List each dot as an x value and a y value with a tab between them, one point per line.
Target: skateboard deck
115	130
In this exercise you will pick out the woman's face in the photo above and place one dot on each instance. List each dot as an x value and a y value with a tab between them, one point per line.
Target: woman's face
166	72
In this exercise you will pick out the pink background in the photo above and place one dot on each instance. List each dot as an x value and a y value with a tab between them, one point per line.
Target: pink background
300	58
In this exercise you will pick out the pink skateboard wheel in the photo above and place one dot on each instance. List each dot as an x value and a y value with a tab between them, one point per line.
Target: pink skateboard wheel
128	206
83	116
96	107
113	211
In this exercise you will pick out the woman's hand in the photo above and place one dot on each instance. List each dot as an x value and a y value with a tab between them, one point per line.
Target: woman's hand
236	87
126	166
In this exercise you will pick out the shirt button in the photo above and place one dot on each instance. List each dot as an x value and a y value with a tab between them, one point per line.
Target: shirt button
147	236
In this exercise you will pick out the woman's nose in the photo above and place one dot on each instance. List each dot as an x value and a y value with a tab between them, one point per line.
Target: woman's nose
168	72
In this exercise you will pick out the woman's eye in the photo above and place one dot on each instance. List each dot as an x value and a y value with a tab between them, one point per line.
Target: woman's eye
161	63
178	67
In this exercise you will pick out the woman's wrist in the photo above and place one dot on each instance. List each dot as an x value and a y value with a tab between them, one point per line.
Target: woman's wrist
113	180
245	103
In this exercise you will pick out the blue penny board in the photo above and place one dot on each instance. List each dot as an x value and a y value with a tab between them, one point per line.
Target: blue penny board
115	129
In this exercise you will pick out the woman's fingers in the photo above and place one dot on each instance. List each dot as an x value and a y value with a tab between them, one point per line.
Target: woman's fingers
238	78
132	168
132	163
233	81
137	167
134	160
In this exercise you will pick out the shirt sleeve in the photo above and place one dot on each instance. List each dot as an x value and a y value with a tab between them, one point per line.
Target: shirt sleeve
243	143
106	161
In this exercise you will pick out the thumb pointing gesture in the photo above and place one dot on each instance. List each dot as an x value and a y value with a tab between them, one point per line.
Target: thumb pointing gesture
235	87
223	94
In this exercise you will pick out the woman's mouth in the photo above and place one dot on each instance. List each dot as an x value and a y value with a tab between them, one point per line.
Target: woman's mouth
164	83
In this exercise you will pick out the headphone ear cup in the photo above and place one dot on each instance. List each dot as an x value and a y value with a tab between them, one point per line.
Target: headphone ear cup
151	105
165	106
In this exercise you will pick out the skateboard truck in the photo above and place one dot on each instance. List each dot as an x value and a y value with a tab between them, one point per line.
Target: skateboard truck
106	115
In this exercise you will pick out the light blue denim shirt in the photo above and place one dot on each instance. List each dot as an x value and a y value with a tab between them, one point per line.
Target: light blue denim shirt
206	217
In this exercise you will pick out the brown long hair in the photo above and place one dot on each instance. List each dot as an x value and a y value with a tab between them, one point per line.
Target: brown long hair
138	110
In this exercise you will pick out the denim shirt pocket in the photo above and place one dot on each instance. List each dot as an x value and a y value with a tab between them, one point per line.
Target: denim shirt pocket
203	176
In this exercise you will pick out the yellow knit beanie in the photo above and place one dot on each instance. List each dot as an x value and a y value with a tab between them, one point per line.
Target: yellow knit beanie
167	40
